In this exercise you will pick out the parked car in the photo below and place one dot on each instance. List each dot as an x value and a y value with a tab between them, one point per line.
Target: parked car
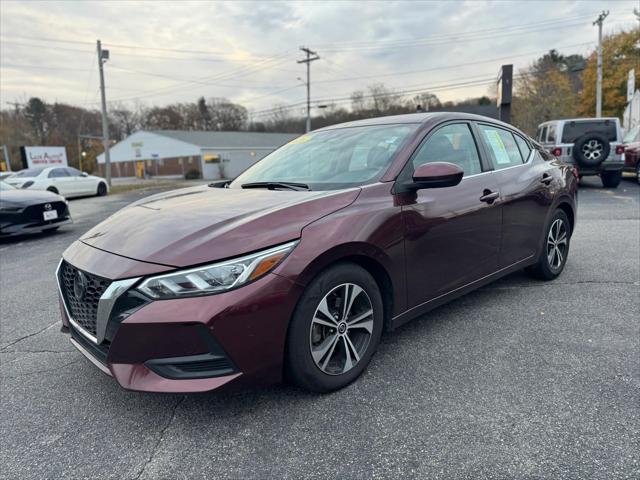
297	267
26	211
593	145
67	181
632	151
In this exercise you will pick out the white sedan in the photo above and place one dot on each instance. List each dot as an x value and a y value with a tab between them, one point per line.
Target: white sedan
66	181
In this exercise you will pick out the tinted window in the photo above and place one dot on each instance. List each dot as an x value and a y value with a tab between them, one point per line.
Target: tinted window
452	143
523	146
58	172
502	146
574	130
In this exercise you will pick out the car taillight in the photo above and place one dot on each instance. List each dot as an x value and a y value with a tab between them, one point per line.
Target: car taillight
557	151
619	149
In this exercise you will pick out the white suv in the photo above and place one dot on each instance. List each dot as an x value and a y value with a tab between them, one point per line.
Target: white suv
593	145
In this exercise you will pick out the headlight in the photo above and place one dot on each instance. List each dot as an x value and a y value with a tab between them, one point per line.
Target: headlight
215	278
27	184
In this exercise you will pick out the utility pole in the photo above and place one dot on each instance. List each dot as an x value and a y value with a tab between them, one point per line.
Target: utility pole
311	56
103	56
598	22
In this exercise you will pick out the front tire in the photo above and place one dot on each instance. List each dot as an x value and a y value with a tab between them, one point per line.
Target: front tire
102	189
555	250
335	329
611	179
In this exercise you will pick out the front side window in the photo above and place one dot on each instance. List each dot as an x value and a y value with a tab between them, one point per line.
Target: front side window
73	172
331	159
502	147
452	143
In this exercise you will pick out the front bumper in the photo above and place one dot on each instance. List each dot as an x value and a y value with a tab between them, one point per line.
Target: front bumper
191	344
13	229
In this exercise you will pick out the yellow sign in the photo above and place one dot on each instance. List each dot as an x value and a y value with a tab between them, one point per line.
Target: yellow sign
300	139
212	158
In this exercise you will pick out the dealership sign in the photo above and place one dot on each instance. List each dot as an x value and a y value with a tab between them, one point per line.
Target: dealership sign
45	156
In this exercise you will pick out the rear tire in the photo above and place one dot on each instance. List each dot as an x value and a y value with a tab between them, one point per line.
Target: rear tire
611	179
328	351
53	190
102	189
555	250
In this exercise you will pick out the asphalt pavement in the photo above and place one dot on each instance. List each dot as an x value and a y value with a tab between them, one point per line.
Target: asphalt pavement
520	379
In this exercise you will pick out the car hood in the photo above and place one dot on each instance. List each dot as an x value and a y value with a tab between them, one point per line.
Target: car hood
202	224
23	198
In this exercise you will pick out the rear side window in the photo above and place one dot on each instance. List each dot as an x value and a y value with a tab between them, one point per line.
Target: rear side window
551	134
576	129
502	147
525	150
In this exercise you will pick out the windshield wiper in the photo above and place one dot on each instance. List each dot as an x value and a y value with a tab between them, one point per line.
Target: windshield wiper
274	185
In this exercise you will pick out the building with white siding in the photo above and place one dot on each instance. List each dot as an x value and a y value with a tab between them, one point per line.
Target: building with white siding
177	153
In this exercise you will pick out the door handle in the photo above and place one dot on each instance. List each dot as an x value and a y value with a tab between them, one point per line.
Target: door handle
488	196
546	179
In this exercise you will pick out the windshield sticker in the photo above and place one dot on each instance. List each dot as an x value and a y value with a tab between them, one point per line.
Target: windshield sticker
499	150
300	139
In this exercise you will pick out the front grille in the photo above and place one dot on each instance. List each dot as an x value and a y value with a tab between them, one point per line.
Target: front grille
36	212
81	298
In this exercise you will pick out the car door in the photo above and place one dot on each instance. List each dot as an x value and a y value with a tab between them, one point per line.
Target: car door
526	184
83	184
62	181
452	235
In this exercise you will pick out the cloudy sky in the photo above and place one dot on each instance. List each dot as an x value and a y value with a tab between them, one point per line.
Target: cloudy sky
171	51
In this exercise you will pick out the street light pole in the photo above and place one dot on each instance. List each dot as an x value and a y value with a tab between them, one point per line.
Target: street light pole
311	56
598	22
103	56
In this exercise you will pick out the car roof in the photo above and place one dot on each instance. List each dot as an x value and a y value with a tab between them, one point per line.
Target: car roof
417	118
579	119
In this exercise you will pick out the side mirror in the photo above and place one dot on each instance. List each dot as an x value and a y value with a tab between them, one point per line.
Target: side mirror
436	175
84	174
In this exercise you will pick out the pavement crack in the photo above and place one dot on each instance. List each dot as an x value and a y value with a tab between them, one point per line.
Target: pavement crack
38	372
28	336
156	447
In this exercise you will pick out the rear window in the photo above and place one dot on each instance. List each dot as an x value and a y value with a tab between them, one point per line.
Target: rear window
574	130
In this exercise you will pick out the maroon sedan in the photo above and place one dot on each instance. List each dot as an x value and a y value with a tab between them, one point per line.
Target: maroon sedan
296	268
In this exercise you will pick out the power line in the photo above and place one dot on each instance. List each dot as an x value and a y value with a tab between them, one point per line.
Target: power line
450	35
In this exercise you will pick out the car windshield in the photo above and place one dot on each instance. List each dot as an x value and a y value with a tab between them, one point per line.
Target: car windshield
29	172
331	159
6	186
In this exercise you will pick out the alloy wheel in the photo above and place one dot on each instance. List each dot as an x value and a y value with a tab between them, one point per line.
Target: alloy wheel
341	329
592	150
557	244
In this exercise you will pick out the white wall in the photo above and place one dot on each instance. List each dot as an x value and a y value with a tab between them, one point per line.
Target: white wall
235	161
149	146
